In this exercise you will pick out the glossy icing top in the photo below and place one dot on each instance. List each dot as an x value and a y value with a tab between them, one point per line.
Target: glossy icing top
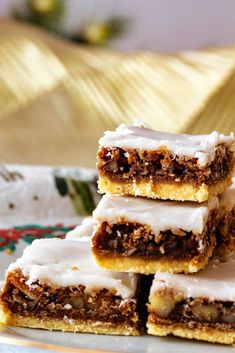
216	281
67	262
84	229
201	147
157	214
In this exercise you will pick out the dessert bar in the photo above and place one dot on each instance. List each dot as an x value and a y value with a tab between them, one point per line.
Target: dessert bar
134	160
56	285
199	306
144	236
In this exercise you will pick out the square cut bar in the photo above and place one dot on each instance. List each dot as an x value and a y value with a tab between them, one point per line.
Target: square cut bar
56	285
145	236
200	306
137	161
226	226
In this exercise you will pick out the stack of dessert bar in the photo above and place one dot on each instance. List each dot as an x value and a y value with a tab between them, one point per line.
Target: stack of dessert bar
167	209
160	210
162	214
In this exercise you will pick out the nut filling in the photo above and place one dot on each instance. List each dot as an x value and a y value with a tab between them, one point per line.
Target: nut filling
67	303
137	240
167	309
130	164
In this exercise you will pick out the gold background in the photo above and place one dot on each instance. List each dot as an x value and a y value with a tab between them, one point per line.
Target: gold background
56	98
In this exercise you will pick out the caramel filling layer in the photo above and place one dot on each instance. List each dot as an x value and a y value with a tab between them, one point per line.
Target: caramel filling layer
67	303
126	165
137	240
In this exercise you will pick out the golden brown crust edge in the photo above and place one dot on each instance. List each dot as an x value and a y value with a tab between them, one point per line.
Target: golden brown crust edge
163	190
204	334
149	266
59	325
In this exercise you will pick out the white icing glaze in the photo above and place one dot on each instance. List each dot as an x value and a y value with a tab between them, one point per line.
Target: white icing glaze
201	147
158	215
82	230
216	281
69	262
227	199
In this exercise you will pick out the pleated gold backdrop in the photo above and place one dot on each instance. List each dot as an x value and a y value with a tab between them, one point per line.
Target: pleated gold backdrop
57	98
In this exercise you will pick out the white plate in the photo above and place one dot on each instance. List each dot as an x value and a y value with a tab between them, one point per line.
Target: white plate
77	342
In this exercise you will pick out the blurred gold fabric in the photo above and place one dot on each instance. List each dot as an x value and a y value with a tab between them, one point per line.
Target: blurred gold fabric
56	98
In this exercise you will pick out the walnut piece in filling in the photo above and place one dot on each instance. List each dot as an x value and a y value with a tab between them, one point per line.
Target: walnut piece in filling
170	306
